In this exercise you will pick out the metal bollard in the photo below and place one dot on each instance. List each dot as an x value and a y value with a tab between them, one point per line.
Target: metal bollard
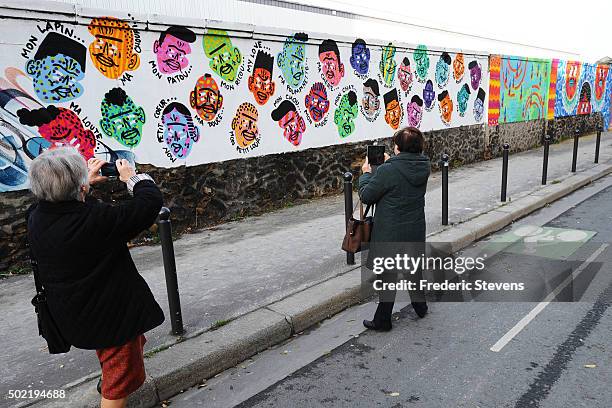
545	161
575	153
504	185
348	209
174	301
444	164
597	142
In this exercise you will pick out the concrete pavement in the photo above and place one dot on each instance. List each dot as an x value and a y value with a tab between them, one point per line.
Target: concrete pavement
229	273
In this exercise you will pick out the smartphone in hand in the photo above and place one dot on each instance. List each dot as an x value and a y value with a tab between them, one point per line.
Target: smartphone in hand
376	154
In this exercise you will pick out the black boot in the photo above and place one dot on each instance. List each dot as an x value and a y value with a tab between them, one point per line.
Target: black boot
369	324
420	308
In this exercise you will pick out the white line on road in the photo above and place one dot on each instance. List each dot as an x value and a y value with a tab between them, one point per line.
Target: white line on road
501	343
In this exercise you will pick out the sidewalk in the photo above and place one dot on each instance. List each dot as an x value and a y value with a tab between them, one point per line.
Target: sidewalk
227	271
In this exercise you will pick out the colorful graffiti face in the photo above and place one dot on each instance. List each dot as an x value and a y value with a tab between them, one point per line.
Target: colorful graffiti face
57	68
60	126
370	101
244	124
260	82
429	95
458	67
387	64
345	114
331	66
360	57
463	97
121	119
292	60
404	74
112	51
584	105
572	74
180	133
316	102
601	74
206	98
415	111
172	49
290	121
225	59
475	74
421	60
393	110
479	105
443	70
446	107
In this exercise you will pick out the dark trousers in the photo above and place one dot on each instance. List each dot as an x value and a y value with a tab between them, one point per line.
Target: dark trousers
386	298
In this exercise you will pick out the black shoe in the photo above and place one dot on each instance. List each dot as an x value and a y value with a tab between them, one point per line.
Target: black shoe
99	386
420	308
369	324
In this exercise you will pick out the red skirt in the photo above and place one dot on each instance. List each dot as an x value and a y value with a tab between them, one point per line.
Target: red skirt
123	369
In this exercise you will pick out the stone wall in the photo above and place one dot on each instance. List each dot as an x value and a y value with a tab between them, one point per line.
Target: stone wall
205	195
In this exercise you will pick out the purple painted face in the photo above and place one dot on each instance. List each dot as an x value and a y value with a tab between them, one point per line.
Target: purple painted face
429	95
172	54
475	76
415	114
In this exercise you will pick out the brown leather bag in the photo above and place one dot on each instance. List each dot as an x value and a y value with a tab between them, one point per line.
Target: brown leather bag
357	232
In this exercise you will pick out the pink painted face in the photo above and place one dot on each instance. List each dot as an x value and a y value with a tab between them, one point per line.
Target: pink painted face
294	126
67	129
332	68
172	54
405	77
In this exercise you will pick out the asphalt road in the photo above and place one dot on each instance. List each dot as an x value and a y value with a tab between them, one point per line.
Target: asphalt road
468	354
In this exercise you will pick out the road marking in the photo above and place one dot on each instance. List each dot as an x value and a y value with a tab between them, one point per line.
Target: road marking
501	343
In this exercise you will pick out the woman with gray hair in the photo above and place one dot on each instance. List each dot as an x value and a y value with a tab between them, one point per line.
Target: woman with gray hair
94	293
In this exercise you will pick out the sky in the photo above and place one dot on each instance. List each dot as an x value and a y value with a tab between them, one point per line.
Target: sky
580	27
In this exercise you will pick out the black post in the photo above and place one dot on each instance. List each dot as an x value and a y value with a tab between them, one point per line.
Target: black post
348	209
174	301
599	129
504	185
545	162
444	164
575	153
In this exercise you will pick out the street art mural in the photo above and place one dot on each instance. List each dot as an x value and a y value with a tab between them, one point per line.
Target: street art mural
121	119
330	64
224	58
360	57
172	50
112	49
245	133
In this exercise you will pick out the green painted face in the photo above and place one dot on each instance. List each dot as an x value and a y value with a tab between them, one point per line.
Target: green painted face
225	59
421	60
345	114
387	64
123	122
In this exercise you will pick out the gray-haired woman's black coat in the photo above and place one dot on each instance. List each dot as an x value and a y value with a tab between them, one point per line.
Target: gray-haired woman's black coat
94	292
398	189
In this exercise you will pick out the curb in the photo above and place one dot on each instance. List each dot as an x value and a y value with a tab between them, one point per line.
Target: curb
191	362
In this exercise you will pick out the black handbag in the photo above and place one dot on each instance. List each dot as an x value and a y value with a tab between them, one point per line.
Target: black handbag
358	231
47	327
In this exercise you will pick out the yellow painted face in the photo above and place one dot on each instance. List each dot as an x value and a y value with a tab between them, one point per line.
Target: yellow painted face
112	50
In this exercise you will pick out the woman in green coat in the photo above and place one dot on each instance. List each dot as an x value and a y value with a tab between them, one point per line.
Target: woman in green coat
397	189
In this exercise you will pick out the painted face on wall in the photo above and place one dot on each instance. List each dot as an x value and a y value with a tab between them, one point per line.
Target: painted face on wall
292	60
387	64
404	74
584	105
345	114
206	98
479	105
244	124
316	102
463	97
475	74
429	95
415	111
370	101
260	81
443	70
601	74
393	110
572	75
172	49
112	50
458	67
57	68
421	60
331	66
121	119
224	58
60	126
360	57
180	133
446	107
290	121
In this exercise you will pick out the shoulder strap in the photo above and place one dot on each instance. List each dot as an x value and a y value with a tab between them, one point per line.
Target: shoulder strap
33	262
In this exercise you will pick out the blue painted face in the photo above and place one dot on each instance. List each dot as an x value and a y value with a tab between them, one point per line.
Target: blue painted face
442	73
462	100
478	109
55	78
429	95
179	133
360	58
292	62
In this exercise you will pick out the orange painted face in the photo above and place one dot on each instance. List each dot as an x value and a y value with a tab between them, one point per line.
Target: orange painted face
601	74
112	50
572	73
393	114
261	85
458	67
446	108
